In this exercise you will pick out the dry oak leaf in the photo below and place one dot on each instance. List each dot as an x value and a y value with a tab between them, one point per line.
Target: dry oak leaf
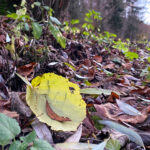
63	98
112	112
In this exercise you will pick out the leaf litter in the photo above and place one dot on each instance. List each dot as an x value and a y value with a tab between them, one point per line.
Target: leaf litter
105	76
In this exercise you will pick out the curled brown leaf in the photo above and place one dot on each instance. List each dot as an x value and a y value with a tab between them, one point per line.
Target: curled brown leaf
53	115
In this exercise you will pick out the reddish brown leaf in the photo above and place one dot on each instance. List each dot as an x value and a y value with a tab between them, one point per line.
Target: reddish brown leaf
114	95
11	114
142	90
27	70
111	111
98	58
53	115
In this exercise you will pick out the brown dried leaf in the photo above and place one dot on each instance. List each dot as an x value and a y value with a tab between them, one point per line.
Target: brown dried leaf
11	114
53	115
27	70
97	58
111	111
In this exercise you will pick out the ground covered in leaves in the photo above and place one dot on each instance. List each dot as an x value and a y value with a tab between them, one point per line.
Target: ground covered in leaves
110	79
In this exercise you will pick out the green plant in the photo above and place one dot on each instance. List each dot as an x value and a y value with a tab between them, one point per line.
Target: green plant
24	22
70	27
91	19
124	48
9	129
106	39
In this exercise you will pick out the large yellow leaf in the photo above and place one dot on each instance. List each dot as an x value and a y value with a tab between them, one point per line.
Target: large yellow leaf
63	97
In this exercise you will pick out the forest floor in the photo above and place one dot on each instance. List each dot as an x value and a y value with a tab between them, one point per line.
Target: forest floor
118	88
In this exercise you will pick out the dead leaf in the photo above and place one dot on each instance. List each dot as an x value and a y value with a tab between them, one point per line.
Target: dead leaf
18	105
76	136
42	131
88	127
27	70
97	58
111	111
127	66
11	114
3	92
53	115
141	90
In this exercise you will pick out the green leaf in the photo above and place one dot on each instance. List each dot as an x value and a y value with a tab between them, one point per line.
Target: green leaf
86	33
9	128
70	66
41	145
131	55
97	125
84	25
37	4
37	30
15	145
55	20
148	59
58	35
46	8
96	91
23	146
26	26
133	136
75	21
29	138
13	16
23	2
113	145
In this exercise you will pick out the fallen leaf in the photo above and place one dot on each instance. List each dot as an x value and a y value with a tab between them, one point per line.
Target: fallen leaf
76	136
27	70
111	111
97	58
3	92
141	90
42	131
63	97
97	91
128	109
53	115
11	114
74	146
133	136
101	146
127	66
